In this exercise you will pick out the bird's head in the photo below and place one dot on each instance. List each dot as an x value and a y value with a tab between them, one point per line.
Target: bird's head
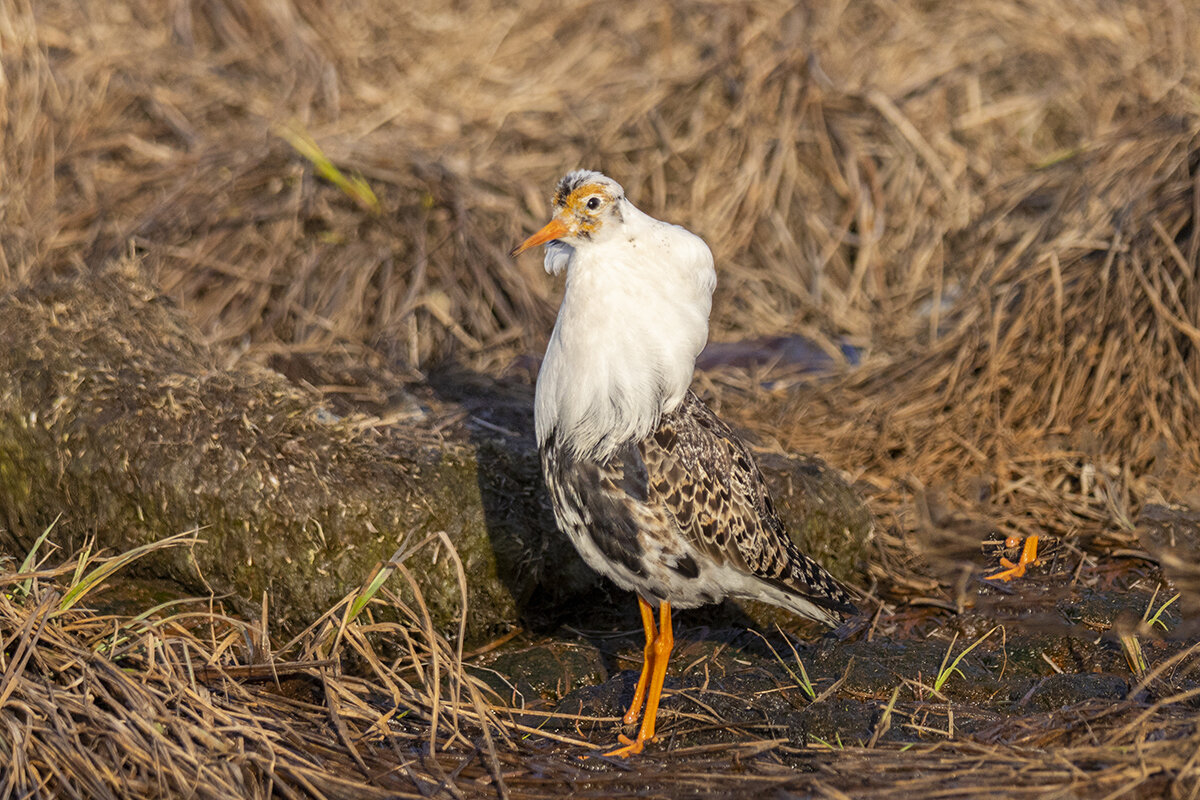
584	203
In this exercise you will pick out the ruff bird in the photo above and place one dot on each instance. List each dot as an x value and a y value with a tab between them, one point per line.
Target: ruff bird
655	491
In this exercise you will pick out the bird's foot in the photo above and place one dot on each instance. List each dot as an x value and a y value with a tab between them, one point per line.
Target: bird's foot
630	747
1028	556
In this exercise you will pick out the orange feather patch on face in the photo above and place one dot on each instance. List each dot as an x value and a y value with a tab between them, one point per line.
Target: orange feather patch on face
573	217
575	201
575	207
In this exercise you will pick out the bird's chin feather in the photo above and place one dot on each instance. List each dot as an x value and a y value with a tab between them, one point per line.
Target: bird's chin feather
558	255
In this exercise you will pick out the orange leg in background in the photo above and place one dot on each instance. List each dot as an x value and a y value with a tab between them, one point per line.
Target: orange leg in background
663	642
639	694
1017	570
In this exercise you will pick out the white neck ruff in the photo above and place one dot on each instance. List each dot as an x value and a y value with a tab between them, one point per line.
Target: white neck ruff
624	346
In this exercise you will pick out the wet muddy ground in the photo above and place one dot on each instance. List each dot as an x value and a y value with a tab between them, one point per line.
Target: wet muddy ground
1047	669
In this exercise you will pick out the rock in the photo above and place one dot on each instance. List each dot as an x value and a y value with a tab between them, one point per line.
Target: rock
825	516
114	415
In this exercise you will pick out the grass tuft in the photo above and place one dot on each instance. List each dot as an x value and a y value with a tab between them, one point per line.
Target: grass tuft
949	667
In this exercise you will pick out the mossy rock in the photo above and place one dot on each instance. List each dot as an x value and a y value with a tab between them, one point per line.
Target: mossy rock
114	416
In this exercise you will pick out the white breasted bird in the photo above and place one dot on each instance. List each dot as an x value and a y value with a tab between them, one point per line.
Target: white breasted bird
655	491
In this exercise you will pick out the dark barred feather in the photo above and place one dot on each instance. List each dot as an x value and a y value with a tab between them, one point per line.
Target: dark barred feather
685	501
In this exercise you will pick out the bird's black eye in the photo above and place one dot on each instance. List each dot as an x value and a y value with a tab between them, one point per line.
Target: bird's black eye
593	203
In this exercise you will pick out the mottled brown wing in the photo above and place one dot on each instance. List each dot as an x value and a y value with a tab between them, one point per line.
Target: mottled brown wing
606	509
708	479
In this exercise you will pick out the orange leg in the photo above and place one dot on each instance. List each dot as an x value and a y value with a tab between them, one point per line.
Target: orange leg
639	694
663	643
1017	570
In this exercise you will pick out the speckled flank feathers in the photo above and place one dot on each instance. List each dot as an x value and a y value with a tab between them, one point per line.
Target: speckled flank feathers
684	516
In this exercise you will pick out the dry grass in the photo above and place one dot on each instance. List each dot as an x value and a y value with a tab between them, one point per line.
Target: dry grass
1060	392
182	700
992	200
995	202
826	154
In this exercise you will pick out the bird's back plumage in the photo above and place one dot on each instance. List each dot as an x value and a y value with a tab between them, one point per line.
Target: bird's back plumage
684	515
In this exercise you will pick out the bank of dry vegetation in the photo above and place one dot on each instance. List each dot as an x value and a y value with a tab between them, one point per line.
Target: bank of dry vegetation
992	206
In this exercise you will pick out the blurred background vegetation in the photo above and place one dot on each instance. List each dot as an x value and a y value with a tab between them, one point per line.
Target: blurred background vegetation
958	259
989	206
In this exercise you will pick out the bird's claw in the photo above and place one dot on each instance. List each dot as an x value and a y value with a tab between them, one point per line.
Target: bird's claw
631	747
1017	570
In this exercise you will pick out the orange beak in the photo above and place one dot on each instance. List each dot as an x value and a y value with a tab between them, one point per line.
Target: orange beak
554	229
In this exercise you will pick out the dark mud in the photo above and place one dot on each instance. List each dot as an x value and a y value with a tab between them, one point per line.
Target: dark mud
1047	665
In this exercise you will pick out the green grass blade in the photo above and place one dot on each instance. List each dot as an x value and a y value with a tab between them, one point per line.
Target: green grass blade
84	557
382	573
944	673
803	682
82	584
356	186
1155	619
30	558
